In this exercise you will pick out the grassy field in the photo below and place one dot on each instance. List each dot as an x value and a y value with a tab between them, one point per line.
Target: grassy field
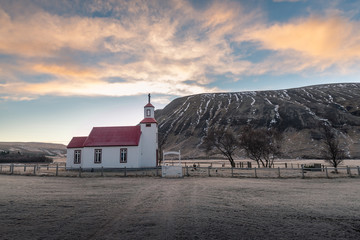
188	208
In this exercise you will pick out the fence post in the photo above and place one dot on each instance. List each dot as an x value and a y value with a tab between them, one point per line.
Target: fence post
57	169
47	168
34	169
327	175
125	172
285	165
187	171
209	171
255	172
358	168
24	167
279	172
292	166
302	171
232	172
157	170
349	171
12	168
102	171
0	168
79	171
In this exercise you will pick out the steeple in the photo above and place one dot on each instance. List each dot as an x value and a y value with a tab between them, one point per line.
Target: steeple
149	116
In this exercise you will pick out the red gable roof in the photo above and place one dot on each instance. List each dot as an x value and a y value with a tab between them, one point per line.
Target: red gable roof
148	120
77	142
113	136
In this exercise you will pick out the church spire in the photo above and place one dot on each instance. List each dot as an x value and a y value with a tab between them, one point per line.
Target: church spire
149	115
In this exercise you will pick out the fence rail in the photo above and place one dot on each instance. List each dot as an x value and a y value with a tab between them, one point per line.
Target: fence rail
188	171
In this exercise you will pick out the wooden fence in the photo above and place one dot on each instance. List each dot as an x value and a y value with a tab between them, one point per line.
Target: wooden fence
302	172
188	171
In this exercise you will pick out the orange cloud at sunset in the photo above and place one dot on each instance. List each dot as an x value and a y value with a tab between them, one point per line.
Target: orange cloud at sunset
73	71
43	34
333	39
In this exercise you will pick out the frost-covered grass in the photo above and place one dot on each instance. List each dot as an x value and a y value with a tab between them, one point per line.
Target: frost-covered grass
188	208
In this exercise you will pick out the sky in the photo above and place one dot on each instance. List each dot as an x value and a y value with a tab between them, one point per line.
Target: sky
67	66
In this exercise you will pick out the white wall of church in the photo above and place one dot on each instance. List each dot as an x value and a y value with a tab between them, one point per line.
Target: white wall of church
149	145
70	158
110	158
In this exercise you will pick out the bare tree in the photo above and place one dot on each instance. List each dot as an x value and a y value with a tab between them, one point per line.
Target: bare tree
332	150
221	142
262	145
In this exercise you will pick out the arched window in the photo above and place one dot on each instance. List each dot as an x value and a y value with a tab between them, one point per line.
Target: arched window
148	112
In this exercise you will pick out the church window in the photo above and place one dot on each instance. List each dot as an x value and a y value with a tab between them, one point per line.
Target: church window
97	157
148	125
148	113
123	155
77	156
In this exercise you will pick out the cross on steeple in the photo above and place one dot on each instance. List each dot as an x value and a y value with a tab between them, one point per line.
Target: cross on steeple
149	97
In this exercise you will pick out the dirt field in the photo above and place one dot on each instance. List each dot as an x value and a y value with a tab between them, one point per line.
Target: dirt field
189	208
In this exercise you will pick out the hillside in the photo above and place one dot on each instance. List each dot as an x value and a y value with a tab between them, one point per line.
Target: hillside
34	148
296	112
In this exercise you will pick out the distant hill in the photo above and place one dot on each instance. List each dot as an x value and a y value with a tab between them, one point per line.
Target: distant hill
34	149
184	122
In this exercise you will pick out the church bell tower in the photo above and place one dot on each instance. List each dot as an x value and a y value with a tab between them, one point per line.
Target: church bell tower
149	136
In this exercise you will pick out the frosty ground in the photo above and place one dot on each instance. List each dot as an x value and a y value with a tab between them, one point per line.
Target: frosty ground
190	208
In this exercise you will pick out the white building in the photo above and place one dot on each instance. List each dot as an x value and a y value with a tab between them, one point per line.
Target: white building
117	147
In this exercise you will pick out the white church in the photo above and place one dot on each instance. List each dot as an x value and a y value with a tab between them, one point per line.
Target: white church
117	147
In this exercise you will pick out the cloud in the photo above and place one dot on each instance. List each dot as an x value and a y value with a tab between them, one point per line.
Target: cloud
314	42
70	88
43	34
289	0
66	71
164	47
150	46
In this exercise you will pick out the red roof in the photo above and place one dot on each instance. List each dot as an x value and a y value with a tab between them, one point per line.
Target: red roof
148	120
113	136
77	142
149	105
108	136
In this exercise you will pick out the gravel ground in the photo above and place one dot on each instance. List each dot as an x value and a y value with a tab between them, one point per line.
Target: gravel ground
189	208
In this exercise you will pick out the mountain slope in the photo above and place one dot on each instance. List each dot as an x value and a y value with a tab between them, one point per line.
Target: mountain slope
34	148
296	112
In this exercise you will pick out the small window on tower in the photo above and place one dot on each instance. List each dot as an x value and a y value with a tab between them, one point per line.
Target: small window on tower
148	112
148	125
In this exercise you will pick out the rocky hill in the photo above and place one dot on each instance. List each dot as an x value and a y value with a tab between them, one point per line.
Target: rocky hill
296	112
